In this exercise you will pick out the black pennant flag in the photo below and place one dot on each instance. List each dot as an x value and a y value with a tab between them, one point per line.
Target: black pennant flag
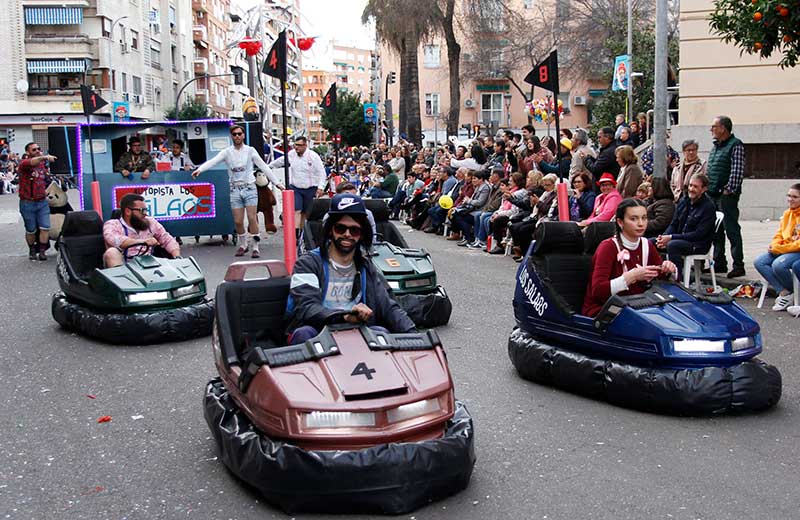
329	101
92	102
275	64
545	74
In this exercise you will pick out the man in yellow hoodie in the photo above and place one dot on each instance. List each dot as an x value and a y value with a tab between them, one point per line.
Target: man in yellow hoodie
783	256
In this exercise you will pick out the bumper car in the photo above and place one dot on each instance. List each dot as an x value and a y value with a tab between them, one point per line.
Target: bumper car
409	272
147	300
353	420
668	350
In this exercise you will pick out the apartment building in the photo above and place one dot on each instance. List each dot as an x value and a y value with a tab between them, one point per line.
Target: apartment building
315	85
352	70
210	26
134	51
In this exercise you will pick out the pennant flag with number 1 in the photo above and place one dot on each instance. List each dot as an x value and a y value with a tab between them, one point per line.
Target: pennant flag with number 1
329	101
545	74
275	64
92	102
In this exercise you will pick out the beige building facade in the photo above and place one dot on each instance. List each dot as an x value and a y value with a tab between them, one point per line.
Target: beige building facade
762	99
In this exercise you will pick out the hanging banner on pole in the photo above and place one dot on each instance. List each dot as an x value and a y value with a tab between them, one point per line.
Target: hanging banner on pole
545	74
329	101
370	113
275	64
622	71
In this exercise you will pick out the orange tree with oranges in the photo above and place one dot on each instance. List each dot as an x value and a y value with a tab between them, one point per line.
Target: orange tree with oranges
760	27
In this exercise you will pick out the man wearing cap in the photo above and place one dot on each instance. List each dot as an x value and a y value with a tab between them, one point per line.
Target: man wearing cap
338	277
135	160
605	204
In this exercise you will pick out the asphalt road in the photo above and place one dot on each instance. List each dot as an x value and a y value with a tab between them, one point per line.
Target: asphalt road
542	453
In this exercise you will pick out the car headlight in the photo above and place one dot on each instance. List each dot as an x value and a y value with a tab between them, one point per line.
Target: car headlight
393	284
154	296
743	343
339	419
698	345
186	291
411	410
419	282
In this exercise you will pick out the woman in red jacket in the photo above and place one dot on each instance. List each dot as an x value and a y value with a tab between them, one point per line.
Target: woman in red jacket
625	263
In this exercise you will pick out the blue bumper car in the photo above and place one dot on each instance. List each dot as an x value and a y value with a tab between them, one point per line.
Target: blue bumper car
668	350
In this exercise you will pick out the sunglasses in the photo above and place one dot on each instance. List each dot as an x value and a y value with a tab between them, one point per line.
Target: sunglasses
143	211
238	133
341	229
35	149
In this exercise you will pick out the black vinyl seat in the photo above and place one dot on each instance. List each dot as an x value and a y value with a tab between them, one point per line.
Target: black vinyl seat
312	231
81	242
561	264
251	313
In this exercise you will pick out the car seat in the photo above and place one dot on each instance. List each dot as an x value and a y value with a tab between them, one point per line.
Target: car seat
81	242
561	265
386	229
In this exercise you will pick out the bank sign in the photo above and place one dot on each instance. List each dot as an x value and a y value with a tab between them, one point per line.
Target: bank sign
181	201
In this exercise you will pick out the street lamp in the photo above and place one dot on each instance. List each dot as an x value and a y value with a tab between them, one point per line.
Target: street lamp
204	76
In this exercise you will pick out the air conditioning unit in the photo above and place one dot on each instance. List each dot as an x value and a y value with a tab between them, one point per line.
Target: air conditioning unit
579	100
126	96
124	48
469	103
137	98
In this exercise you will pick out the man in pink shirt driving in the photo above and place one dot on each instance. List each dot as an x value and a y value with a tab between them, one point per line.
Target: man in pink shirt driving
135	233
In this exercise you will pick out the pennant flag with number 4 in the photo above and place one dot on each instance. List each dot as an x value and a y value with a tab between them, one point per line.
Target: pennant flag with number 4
545	74
275	64
92	102
329	101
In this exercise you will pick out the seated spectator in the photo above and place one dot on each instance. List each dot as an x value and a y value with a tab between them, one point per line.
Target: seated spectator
626	263
644	193
630	175
386	187
783	255
625	137
406	190
581	149
475	161
636	138
529	158
522	232
660	209
692	228
465	191
548	148
450	186
498	222
481	223
688	166
134	233
464	215
605	204
584	194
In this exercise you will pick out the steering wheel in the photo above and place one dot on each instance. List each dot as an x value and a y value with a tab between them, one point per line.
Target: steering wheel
141	250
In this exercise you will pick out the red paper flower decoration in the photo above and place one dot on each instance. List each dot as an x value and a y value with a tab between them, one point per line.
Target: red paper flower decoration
250	46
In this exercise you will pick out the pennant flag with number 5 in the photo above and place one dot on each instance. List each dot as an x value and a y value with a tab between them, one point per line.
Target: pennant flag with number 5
329	101
545	74
92	102
275	64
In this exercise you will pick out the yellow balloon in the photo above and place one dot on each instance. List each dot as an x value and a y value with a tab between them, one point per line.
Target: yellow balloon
446	202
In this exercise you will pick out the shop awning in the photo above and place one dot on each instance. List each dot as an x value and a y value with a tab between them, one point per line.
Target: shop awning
55	66
53	15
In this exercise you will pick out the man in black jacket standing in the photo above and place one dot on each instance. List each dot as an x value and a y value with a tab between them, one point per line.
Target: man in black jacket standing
338	277
606	161
692	228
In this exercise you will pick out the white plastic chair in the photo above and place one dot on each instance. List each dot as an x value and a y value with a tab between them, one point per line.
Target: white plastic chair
697	262
795	291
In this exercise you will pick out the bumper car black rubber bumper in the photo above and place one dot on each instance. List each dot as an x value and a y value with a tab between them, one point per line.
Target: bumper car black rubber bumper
390	478
427	310
750	386
140	328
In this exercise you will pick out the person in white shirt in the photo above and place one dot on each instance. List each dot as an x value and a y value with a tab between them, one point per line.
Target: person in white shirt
242	161
179	160
307	178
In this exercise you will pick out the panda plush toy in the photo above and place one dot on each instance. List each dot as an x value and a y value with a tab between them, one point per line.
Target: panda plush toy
59	207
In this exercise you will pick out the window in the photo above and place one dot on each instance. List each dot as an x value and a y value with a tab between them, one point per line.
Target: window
491	108
155	54
124	82
432	104
171	16
173	57
431	56
137	85
134	39
528	4
113	80
106	27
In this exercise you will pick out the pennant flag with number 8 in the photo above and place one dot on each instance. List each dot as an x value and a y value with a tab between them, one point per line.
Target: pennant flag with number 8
275	64
545	74
329	101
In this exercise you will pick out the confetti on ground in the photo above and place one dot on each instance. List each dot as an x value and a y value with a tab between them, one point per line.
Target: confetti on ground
105	418
137	417
90	396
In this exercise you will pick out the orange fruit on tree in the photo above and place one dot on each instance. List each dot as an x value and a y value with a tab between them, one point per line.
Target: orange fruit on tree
787	38
755	2
783	11
758	16
758	46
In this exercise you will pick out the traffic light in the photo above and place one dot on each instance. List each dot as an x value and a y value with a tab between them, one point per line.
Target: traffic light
10	134
238	75
392	79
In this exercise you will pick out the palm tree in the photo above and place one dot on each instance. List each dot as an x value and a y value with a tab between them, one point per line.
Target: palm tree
403	25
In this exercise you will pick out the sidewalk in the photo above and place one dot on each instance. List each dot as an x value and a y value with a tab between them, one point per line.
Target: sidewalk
756	236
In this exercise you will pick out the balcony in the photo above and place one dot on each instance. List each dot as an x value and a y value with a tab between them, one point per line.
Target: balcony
201	65
42	45
201	95
200	34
